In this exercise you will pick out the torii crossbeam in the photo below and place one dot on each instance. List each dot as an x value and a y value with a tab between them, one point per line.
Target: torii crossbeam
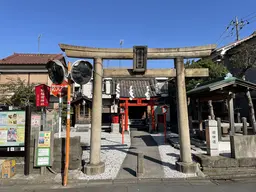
186	164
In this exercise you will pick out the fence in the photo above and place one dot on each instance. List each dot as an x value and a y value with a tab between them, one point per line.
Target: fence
52	121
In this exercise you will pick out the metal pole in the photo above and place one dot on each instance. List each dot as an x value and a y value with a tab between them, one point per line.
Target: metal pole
42	119
164	127
122	128
43	116
67	129
60	108
27	140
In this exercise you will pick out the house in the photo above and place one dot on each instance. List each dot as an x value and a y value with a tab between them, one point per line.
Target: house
29	67
223	54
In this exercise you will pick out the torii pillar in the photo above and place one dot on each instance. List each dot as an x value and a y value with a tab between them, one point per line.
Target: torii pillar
186	164
96	166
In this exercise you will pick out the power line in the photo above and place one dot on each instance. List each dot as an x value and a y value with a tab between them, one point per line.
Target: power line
248	15
227	28
230	34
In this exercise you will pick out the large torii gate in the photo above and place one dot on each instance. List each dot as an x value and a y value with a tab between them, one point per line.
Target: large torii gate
186	164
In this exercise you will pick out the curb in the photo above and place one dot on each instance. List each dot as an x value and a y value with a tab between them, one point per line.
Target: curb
83	183
12	182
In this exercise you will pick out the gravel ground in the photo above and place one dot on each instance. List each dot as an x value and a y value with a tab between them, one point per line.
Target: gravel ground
113	154
169	155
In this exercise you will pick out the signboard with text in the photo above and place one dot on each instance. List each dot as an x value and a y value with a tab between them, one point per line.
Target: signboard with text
42	95
59	90
44	149
12	128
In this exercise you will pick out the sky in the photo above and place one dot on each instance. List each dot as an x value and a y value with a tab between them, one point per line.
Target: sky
103	23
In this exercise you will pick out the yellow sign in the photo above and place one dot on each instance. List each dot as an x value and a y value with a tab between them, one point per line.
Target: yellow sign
44	139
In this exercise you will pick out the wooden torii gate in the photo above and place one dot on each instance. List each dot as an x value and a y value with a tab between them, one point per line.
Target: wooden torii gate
186	164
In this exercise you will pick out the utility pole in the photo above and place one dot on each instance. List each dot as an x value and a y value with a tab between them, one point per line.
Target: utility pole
238	25
237	29
121	46
39	37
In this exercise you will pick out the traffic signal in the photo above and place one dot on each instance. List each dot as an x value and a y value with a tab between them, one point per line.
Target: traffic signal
57	72
81	72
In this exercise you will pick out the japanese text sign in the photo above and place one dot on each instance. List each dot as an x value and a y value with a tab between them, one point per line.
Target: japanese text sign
42	95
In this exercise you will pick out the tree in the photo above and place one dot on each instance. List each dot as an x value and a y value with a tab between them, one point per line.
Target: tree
240	62
17	92
215	71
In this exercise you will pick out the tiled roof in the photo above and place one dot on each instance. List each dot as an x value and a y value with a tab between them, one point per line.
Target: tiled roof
139	87
27	58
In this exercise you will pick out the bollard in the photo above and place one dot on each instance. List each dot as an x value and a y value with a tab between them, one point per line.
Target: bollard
245	129
238	118
219	128
140	165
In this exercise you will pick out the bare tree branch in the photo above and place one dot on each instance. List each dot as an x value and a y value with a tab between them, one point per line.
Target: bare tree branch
244	59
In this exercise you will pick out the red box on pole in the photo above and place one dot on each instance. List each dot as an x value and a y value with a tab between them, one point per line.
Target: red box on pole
42	95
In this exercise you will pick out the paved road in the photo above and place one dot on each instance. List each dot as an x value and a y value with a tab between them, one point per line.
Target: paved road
150	186
142	142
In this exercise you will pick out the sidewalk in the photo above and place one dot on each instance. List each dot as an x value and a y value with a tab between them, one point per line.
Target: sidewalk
142	142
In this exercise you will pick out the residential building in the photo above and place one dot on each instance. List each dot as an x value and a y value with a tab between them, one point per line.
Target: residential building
223	54
29	67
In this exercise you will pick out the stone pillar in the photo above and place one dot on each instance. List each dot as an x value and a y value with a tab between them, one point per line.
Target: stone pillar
200	119
212	143
96	166
211	110
185	165
231	113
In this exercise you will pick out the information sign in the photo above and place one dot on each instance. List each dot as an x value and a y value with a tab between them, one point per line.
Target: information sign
43	149
12	128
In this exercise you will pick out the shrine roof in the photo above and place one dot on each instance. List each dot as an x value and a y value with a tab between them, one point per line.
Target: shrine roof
221	87
139	86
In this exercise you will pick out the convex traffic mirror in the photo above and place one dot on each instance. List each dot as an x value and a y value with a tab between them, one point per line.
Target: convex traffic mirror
57	72
81	72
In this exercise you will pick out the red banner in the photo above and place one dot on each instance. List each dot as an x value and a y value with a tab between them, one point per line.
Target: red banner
42	95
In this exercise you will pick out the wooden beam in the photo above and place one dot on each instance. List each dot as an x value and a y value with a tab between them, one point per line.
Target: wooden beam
195	72
153	53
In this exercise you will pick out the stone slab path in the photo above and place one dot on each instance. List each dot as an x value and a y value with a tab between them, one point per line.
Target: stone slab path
142	142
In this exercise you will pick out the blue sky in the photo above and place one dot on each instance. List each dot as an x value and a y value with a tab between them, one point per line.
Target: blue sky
102	23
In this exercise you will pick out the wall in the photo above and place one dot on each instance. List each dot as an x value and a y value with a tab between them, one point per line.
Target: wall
36	78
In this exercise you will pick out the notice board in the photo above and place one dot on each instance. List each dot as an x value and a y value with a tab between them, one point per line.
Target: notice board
12	128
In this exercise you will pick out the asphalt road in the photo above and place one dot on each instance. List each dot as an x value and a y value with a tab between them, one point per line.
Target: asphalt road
149	186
